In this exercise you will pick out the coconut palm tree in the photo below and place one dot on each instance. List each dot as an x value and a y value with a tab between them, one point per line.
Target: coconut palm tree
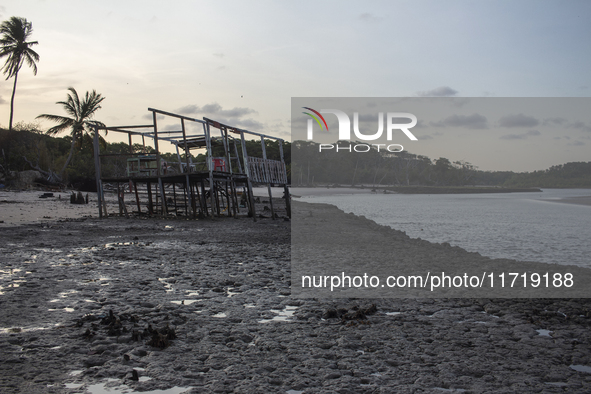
80	121
13	44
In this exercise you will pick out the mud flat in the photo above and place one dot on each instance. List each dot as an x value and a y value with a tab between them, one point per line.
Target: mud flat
579	200
205	306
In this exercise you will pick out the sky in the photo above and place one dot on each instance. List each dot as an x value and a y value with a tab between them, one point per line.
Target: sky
241	62
494	132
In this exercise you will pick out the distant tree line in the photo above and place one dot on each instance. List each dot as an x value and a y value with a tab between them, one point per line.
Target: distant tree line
26	147
382	168
569	175
377	168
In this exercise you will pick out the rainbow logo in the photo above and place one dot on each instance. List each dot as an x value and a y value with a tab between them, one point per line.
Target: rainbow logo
316	118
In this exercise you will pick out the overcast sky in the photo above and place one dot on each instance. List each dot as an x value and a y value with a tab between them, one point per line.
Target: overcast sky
241	61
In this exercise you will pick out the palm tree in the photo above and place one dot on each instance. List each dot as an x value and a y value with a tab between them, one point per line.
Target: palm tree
79	122
13	43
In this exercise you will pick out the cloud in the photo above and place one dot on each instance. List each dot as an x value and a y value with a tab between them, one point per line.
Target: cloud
188	109
519	120
443	91
576	143
249	124
231	117
522	136
370	18
579	126
474	121
233	113
554	121
220	55
216	109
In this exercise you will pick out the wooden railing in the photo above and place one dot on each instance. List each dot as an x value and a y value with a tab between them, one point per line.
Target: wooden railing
267	171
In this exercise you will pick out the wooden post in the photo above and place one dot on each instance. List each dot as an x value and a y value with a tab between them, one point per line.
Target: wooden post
247	172
210	166
286	193
176	212
97	172
150	203
204	199
158	164
229	193
268	179
234	187
194	199
163	197
137	198
238	158
119	199
187	168
216	192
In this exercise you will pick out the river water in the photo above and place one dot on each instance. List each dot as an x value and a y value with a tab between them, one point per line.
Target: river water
521	226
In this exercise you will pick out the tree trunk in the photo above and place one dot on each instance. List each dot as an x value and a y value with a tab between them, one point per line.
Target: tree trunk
12	101
61	173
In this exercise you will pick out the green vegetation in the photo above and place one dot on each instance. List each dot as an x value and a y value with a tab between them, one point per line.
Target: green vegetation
569	175
381	169
374	168
14	45
79	122
26	147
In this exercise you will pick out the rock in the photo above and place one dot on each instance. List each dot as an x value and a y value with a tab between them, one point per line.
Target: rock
24	179
94	362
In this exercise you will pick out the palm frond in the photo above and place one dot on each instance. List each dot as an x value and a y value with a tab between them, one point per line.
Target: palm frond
81	113
15	47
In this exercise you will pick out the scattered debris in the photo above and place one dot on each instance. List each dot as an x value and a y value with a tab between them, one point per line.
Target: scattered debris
118	325
355	313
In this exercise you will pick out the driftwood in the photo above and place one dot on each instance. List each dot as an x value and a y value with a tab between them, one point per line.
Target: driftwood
78	198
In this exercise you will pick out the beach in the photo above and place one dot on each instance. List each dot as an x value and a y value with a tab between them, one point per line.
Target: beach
206	306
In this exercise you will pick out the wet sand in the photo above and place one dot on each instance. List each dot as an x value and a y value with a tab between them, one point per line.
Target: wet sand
86	302
580	200
26	207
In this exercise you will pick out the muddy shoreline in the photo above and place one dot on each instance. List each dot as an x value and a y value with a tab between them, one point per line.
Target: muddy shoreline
223	286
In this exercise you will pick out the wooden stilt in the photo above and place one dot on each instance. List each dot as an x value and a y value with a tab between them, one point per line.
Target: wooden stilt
150	203
163	197
287	200
228	194
215	193
204	208
174	199
119	199
137	198
268	173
